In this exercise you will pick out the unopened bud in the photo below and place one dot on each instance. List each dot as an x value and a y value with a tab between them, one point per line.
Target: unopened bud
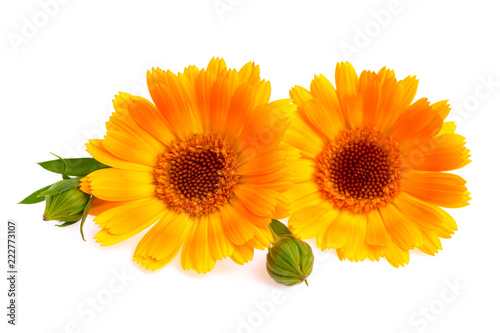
66	206
290	260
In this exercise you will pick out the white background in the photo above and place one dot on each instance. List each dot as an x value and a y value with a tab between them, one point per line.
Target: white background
56	89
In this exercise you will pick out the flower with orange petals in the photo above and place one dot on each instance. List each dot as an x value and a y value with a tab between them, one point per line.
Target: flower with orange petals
203	164
371	178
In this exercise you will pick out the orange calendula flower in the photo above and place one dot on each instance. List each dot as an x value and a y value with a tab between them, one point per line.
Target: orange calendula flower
370	179
204	162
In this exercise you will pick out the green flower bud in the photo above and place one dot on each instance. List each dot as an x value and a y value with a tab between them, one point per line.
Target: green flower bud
290	260
66	206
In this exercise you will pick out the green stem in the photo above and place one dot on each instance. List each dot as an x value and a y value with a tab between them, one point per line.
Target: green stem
85	214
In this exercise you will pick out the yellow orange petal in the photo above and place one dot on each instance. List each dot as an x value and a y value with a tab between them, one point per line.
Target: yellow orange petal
303	135
255	219
347	83
309	221
96	148
431	244
249	73
403	232
236	225
323	90
300	95
282	208
442	108
356	248
442	189
448	227
147	116
126	220
418	122
191	73
376	233
339	232
127	140
241	105
242	254
262	238
444	152
220	101
100	206
120	185
162	243
195	253
303	169
395	255
265	163
328	122
260	201
175	98
369	89
449	127
422	215
304	194
203	88
265	129
217	66
218	242
395	97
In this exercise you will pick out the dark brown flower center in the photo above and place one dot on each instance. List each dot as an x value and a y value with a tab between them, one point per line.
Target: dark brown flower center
198	175
360	170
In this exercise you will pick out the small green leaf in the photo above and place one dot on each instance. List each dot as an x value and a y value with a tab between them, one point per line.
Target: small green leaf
75	166
33	197
278	229
61	186
66	224
85	214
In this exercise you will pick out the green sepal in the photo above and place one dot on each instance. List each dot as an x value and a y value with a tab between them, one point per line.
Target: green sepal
65	170
85	214
278	229
66	224
73	166
61	186
33	198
